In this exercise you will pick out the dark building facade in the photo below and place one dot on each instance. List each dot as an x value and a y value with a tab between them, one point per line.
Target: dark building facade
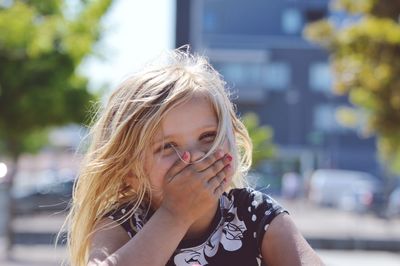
259	48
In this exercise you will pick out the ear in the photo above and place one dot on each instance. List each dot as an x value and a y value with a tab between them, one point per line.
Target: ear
131	180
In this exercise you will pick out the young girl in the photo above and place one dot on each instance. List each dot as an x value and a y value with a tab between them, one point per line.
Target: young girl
160	183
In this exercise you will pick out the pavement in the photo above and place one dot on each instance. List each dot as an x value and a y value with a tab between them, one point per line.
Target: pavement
328	228
34	238
358	258
341	238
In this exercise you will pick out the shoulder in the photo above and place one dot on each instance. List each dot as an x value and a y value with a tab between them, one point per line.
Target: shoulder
254	208
283	244
129	219
115	229
108	237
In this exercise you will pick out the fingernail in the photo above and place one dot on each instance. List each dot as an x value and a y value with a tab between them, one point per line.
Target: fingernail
185	156
219	154
229	157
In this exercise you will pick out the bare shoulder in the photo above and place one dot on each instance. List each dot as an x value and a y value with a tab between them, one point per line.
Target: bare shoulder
108	237
283	244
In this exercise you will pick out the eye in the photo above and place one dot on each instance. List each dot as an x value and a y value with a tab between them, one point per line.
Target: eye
169	145
208	136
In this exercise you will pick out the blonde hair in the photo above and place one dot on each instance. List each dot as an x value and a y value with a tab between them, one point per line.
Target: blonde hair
125	127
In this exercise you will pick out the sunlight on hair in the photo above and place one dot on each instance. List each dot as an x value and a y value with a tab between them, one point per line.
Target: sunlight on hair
125	126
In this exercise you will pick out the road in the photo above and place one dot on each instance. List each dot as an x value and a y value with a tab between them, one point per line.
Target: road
332	223
359	258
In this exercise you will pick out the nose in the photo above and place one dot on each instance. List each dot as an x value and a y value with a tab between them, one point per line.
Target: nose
196	155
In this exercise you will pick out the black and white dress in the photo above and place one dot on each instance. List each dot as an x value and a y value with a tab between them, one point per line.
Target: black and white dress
236	231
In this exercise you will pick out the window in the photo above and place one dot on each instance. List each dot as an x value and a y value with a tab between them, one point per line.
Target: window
320	77
292	21
276	76
241	74
325	119
271	76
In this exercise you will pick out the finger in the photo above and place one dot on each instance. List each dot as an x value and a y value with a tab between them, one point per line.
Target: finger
215	181
220	189
208	161
226	175
217	167
178	166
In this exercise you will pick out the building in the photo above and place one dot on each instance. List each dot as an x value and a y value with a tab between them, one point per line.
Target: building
258	47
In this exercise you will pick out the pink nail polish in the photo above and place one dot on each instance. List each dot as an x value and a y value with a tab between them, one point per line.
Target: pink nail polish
185	156
229	157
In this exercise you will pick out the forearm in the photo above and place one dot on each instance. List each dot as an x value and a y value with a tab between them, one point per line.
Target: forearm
153	244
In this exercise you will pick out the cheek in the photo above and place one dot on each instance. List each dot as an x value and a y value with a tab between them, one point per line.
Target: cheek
156	172
157	169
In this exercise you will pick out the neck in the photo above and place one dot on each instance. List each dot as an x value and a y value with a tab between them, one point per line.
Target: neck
202	225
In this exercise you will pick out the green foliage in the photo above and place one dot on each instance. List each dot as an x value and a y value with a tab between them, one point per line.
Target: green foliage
41	47
261	136
366	64
354	6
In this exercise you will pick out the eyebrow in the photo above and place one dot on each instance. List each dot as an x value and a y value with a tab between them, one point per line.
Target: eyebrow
208	127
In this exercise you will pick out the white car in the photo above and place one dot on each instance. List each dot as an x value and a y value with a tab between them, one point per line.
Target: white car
343	189
394	203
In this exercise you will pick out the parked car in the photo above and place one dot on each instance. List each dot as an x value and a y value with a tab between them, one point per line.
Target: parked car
54	196
393	208
347	190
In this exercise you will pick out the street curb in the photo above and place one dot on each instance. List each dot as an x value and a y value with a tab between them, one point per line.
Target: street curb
391	245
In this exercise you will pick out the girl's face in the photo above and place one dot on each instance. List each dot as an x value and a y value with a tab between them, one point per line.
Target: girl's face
191	126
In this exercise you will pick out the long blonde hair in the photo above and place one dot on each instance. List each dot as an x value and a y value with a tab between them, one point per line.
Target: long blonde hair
125	127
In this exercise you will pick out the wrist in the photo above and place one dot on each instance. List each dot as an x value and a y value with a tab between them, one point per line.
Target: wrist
175	218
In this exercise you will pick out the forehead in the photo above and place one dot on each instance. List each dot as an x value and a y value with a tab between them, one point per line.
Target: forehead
189	116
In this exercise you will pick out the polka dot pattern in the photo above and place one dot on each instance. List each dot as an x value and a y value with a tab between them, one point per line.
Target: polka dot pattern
245	217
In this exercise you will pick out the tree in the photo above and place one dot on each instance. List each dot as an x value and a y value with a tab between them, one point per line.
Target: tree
261	136
365	56
42	43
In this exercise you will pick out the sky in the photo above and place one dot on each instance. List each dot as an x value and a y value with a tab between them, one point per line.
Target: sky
135	32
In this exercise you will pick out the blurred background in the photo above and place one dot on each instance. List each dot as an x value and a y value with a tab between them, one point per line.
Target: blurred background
316	82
